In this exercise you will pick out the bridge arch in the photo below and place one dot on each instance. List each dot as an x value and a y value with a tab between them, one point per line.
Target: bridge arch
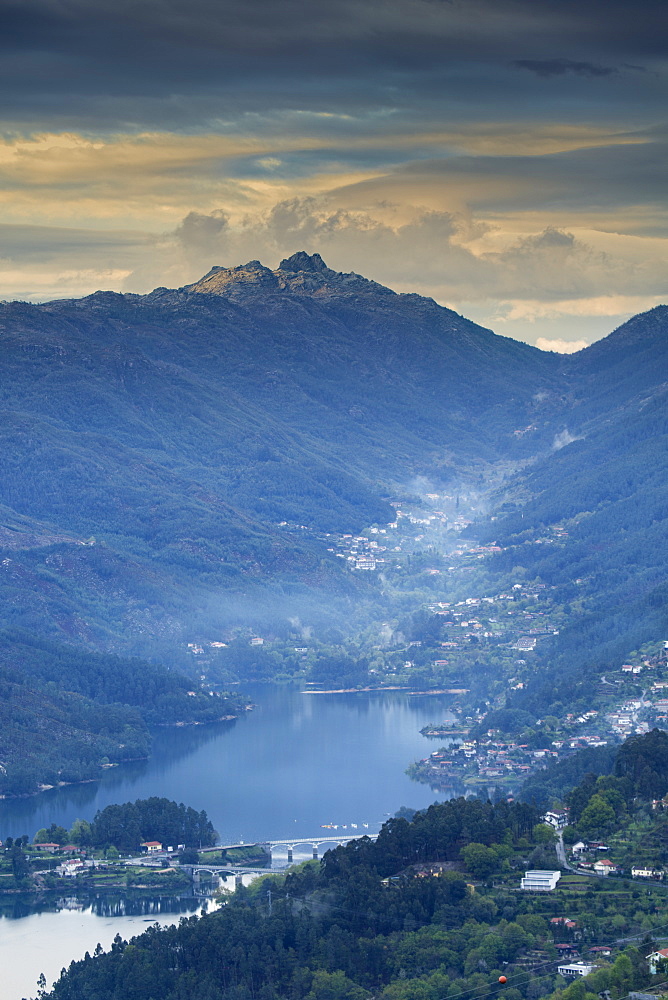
315	843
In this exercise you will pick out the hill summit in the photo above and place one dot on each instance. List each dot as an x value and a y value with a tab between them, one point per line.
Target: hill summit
302	273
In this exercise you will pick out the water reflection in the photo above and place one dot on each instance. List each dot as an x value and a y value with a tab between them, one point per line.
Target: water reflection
45	937
56	805
104	905
296	762
138	906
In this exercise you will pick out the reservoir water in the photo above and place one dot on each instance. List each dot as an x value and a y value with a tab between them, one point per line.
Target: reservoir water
295	763
43	939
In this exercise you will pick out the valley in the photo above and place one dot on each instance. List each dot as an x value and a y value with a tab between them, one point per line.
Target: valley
300	475
274	484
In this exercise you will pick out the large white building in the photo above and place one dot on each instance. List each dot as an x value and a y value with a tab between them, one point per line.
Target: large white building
540	881
575	969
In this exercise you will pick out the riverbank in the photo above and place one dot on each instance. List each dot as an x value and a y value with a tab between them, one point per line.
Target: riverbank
433	732
43	787
407	690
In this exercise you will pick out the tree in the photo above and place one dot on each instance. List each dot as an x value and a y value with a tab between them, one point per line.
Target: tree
481	861
56	834
598	817
543	833
190	856
20	868
335	986
80	833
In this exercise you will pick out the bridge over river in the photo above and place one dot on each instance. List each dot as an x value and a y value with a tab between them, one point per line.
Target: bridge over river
289	845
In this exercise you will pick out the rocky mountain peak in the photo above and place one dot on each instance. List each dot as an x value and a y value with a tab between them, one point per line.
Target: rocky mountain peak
300	274
302	261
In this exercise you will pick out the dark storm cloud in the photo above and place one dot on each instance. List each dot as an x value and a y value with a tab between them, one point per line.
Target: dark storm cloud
629	174
557	67
146	63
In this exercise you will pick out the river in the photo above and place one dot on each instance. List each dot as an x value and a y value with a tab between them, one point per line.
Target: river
296	762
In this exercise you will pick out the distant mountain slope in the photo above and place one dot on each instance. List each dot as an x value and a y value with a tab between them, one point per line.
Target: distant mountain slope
172	452
627	368
181	427
606	490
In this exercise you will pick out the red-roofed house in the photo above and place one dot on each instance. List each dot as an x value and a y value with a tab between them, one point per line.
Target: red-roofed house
656	958
152	846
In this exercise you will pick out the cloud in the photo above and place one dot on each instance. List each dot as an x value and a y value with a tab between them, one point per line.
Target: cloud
557	67
561	346
201	234
543	276
607	306
86	63
563	438
458	149
34	284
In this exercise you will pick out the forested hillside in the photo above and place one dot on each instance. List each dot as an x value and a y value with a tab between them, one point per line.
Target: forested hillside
174	432
591	518
66	713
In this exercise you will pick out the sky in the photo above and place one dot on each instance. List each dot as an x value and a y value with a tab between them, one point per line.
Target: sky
507	157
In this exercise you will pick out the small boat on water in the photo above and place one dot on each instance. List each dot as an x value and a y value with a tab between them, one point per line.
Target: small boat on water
342	826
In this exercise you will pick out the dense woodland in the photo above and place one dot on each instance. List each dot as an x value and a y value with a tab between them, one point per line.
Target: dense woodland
127	826
610	492
66	713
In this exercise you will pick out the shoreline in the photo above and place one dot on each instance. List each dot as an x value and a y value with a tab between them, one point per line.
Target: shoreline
106	767
367	690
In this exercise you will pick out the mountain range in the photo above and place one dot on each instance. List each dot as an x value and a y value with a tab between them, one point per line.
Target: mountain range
171	460
178	429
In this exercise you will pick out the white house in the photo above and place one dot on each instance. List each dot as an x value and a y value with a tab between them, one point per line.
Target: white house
556	819
646	872
655	959
575	969
605	867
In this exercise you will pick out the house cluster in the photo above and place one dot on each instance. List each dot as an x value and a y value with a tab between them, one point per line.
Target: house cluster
585	854
408	531
361	551
488	618
623	720
490	759
74	866
649	706
567	935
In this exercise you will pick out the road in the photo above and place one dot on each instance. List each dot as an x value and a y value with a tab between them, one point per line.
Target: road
561	854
